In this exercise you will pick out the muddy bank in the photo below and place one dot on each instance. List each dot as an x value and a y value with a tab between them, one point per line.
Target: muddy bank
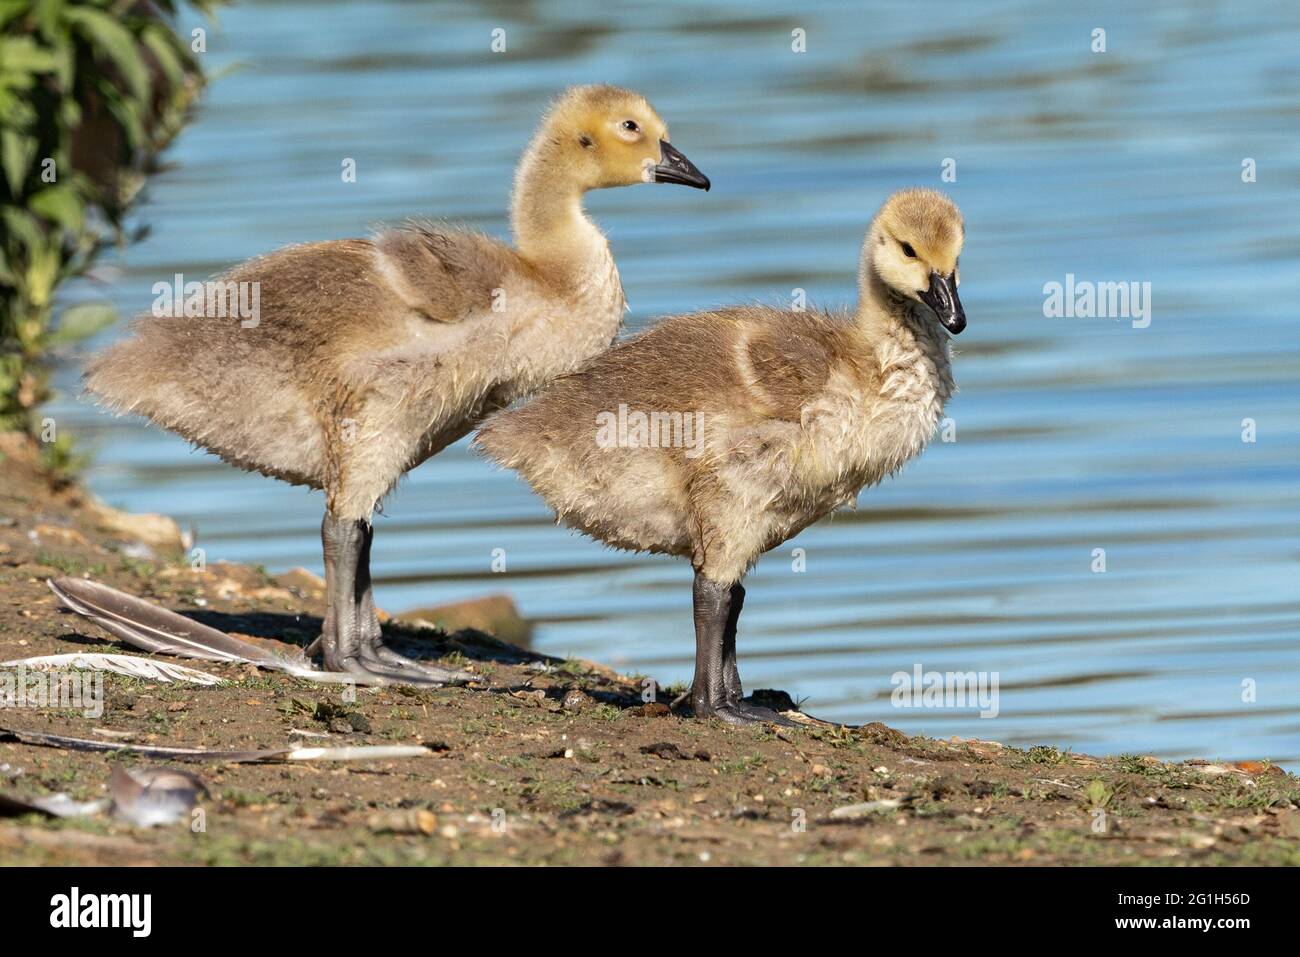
544	761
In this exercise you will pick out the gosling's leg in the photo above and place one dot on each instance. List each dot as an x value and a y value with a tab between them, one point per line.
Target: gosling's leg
731	673
710	696
344	645
373	649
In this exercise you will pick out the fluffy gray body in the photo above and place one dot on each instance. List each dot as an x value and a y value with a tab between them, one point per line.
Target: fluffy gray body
796	413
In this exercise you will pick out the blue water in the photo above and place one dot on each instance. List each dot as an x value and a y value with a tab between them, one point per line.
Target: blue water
1072	434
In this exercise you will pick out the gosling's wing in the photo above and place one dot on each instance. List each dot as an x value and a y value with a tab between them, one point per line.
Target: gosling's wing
442	307
444	274
434	359
786	361
342	300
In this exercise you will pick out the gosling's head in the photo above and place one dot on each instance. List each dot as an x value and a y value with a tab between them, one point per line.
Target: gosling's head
605	136
913	246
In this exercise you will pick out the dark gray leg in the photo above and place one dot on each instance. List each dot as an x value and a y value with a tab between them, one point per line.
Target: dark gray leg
715	689
348	638
731	673
373	649
708	693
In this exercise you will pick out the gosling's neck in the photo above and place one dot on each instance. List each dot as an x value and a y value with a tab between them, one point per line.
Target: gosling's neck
551	229
908	343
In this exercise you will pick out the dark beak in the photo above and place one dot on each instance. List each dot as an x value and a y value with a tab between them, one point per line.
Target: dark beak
942	298
675	168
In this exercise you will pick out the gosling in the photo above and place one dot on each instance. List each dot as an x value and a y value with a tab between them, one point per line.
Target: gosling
716	436
368	356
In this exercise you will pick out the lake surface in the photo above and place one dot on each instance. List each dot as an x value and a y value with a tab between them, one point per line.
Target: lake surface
1072	434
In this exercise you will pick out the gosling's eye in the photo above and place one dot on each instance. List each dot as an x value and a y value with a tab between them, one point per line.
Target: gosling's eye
630	126
908	251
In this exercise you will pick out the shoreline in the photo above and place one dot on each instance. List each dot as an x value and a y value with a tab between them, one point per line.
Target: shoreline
546	761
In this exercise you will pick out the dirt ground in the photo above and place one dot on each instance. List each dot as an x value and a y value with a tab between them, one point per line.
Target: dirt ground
545	761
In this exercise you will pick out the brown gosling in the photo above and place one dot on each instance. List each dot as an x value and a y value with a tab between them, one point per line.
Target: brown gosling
719	435
370	355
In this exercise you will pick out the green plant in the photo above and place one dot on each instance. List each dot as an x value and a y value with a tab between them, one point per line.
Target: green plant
1046	754
1097	793
91	92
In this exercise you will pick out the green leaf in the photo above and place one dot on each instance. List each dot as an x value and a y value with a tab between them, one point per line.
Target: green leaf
1097	793
17	81
162	45
43	263
49	16
70	113
66	66
59	204
22	225
12	109
129	113
116	42
16	154
9	9
82	321
25	55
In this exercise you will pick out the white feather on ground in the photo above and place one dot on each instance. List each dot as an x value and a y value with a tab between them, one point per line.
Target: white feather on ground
132	665
146	626
361	752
